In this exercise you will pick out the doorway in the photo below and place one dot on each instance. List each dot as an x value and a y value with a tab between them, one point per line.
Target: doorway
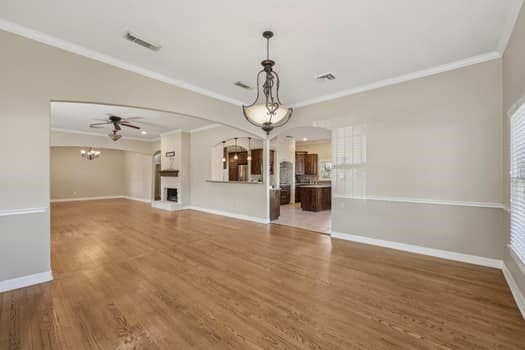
156	176
304	178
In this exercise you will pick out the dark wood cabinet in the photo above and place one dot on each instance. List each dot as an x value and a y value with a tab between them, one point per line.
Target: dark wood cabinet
257	161
311	164
272	158
297	194
300	158
275	205
233	167
316	198
243	158
285	195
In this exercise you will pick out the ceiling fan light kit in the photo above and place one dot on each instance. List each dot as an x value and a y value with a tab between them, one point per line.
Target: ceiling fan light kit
117	122
267	111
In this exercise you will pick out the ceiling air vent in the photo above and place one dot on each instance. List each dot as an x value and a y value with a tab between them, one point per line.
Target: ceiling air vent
243	85
325	76
133	38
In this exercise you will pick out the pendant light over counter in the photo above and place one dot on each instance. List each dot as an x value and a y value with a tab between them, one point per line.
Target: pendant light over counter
267	111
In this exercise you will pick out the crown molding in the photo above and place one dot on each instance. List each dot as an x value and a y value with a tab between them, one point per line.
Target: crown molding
404	78
97	56
79	50
101	135
508	29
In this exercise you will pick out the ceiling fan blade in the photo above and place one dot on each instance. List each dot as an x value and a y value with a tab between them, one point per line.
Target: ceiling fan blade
129	125
132	118
153	125
97	125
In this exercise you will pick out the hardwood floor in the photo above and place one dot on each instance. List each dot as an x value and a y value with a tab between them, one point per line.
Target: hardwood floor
131	277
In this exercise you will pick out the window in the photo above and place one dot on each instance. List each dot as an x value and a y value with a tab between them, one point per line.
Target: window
517	171
325	169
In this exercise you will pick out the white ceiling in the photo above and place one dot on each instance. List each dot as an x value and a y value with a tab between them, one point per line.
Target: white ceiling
208	45
309	134
78	116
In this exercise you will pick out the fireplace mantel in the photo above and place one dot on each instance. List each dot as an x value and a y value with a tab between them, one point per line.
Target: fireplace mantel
170	173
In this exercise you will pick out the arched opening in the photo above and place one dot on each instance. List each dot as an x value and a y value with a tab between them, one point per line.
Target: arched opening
304	177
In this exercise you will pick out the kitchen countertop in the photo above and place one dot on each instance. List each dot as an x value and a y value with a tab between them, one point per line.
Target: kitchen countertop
236	182
316	186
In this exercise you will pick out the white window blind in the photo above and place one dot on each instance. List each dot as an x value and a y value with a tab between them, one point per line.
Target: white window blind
517	171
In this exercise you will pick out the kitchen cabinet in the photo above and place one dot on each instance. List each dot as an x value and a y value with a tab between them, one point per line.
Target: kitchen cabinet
297	194
275	205
300	158
285	194
316	197
311	164
257	161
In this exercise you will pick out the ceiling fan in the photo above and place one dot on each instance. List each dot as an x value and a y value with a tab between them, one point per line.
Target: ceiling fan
117	122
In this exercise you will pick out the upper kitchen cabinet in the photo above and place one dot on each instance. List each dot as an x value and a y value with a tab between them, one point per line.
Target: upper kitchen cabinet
300	158
311	164
257	161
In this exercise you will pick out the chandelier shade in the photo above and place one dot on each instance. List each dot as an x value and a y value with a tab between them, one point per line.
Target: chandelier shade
90	154
267	111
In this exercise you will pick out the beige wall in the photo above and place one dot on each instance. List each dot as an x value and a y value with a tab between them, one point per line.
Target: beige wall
33	74
324	150
75	177
432	139
138	176
242	199
115	173
513	95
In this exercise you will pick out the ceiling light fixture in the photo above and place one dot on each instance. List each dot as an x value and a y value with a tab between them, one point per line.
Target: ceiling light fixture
249	148
236	156
223	149
267	111
114	135
90	154
144	132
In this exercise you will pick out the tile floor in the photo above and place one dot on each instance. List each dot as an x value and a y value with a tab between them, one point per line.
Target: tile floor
293	215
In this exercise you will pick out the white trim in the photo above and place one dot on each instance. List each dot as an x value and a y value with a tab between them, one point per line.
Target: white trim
509	26
228	214
137	199
171	132
76	49
516	293
25	281
444	254
79	50
207	127
124	137
23	211
425	201
84	199
404	78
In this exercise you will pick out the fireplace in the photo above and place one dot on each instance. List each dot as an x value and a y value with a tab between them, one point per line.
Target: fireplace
172	195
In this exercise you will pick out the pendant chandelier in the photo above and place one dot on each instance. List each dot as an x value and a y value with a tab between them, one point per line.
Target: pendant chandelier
90	154
267	111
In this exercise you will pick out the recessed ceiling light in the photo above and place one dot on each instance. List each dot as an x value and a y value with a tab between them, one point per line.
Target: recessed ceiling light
144	132
305	139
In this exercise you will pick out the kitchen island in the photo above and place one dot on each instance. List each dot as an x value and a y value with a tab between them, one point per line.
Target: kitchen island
316	197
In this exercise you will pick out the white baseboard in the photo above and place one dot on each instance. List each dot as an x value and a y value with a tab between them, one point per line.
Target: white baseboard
84	199
444	254
137	199
99	198
228	214
516	293
25	281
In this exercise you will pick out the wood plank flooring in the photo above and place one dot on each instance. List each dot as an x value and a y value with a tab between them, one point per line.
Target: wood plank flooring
131	277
